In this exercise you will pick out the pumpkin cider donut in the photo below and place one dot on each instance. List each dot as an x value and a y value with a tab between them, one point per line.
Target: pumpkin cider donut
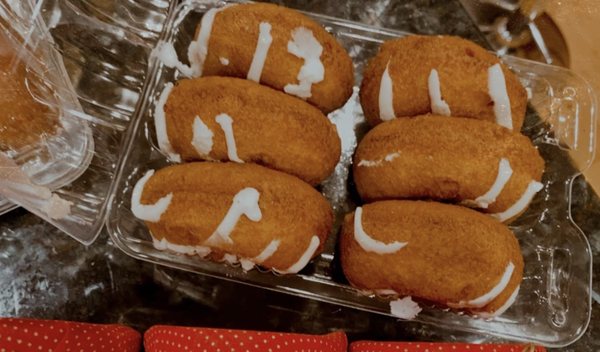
224	118
467	161
234	212
443	75
274	46
449	255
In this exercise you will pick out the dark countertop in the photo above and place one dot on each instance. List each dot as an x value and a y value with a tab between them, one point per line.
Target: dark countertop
46	274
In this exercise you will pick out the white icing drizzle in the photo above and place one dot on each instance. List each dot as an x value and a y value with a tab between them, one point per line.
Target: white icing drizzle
226	123
230	258
504	174
386	96
304	259
270	249
245	202
371	163
370	244
438	104
198	49
483	300
499	95
160	123
260	54
405	308
148	212
202	138
224	61
165	52
509	302
163	244
522	203
305	46
386	292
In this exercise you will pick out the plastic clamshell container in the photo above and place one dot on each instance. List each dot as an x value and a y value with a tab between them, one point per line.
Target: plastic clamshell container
102	68
554	304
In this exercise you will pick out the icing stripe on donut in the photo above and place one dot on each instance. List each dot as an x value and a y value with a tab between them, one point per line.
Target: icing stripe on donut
202	137
148	212
163	244
483	300
305	46
509	302
270	249
260	54
504	174
304	259
386	96
198	49
499	95
532	188
226	123
438	104
160	124
370	244
379	162
245	202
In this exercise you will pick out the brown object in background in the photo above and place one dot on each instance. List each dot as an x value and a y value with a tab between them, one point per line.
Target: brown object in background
23	120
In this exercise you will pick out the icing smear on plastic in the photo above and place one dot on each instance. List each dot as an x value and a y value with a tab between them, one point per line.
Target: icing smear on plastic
370	244
226	123
202	137
270	249
304	258
165	52
16	185
260	54
160	124
148	212
438	104
405	308
371	163
245	202
305	46
532	188
499	95
386	96
163	244
504	174
483	300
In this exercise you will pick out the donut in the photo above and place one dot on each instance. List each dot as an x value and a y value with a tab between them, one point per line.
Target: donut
233	212
23	121
443	75
443	254
274	46
472	162
224	118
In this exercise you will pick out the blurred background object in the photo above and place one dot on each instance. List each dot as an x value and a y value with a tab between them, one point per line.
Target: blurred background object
557	32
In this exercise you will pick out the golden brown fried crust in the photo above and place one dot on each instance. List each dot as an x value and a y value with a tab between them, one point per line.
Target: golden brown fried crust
452	253
441	158
292	211
234	36
23	120
270	127
462	67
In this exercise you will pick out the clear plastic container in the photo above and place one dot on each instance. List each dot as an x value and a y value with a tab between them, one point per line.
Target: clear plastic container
104	75
554	304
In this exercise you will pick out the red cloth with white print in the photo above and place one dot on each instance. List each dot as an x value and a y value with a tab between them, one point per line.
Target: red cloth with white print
175	339
32	335
373	346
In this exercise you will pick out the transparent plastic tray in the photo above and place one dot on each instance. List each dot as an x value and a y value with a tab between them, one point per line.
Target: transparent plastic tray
554	304
106	67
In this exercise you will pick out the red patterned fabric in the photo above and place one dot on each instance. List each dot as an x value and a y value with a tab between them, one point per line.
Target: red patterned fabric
30	335
175	339
372	346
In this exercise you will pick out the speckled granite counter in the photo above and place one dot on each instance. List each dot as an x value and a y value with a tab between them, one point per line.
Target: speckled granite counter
45	274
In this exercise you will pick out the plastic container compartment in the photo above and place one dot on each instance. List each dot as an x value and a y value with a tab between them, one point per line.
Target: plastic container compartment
554	304
105	72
